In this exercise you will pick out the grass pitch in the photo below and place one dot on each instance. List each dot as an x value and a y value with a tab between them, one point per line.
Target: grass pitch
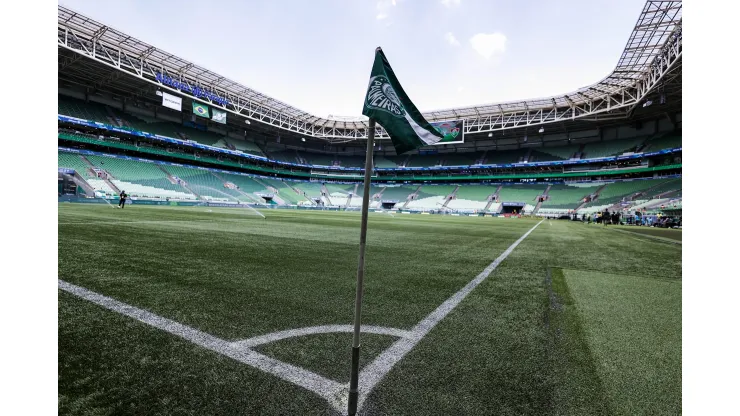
520	343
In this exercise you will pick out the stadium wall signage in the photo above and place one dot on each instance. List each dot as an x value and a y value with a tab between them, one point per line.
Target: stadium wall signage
332	169
452	131
171	101
194	90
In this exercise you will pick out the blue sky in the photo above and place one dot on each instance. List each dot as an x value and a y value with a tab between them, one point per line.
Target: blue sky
316	55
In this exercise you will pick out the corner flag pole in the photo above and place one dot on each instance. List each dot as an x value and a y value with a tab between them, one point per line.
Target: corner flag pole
355	372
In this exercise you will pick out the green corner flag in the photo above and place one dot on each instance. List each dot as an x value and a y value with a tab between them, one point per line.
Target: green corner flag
388	104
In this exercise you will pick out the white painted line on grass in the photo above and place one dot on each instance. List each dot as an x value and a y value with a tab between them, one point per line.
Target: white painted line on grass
135	222
324	329
332	391
376	370
296	375
649	236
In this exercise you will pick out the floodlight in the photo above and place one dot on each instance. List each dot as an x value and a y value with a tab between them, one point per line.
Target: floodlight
541	130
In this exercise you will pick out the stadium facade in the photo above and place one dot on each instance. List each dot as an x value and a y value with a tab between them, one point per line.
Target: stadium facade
125	121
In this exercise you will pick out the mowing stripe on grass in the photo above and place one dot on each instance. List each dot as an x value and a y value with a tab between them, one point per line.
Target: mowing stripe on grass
333	392
376	370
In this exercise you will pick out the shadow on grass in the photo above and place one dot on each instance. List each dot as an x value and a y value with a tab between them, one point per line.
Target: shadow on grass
577	388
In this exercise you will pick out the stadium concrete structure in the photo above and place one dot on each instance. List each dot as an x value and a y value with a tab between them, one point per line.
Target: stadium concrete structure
615	144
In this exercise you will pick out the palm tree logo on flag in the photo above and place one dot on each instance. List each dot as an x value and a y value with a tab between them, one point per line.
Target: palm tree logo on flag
382	96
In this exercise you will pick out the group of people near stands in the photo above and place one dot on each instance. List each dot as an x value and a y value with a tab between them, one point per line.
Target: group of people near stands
604	217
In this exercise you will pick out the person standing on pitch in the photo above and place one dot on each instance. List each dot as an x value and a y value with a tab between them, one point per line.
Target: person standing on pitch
122	199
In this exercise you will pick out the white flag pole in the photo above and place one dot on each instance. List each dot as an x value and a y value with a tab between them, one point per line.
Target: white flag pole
355	372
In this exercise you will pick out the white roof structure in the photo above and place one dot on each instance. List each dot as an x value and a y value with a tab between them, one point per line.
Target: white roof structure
652	53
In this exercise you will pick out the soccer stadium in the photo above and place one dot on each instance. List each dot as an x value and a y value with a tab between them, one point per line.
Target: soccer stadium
528	262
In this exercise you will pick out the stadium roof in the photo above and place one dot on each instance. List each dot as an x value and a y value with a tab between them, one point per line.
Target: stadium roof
652	55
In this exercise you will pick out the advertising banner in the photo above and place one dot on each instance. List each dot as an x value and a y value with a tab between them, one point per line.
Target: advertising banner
452	130
171	101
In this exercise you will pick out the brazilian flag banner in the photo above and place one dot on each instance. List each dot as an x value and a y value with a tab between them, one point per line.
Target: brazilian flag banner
387	103
201	110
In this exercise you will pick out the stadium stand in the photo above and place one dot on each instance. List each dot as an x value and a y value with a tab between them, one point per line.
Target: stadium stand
459	159
611	147
542	154
665	186
521	193
244	146
505	156
310	189
204	183
73	161
339	188
139	179
383	162
108	115
285	191
397	193
618	191
101	185
424	160
319	159
475	192
354	161
284	155
663	142
429	203
80	109
398	160
471	197
248	185
436	190
567	196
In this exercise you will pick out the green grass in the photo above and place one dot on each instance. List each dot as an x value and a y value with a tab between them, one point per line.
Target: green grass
622	340
236	276
671	233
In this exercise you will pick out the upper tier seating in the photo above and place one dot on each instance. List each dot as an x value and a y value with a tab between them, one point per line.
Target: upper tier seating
498	157
98	112
553	153
424	160
611	147
85	110
668	141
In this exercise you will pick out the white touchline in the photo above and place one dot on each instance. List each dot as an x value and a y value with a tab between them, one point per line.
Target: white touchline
334	392
136	222
376	370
